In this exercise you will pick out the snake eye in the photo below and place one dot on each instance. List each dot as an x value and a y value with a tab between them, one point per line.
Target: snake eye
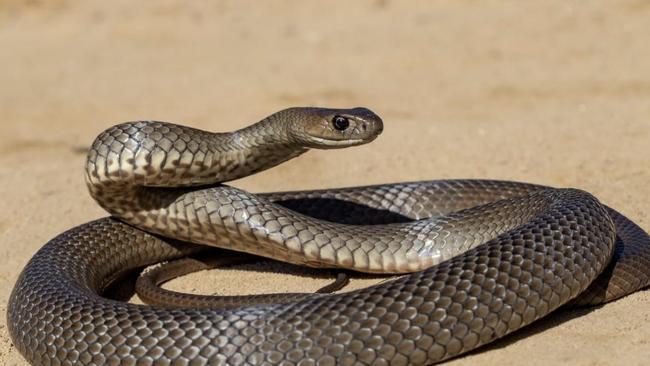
340	123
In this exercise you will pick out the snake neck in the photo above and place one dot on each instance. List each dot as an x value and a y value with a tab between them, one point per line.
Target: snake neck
260	146
127	159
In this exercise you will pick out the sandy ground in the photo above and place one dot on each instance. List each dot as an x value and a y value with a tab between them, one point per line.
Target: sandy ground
554	92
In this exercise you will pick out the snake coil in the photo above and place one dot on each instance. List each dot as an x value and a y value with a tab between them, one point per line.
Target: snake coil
484	258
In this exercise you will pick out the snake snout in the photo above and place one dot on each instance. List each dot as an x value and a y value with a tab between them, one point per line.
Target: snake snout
368	123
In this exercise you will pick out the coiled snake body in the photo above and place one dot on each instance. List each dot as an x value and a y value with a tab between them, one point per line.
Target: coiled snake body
485	257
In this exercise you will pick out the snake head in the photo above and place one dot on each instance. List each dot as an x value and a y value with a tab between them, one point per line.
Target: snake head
327	128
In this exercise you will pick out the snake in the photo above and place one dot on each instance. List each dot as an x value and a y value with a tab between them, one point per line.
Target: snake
475	259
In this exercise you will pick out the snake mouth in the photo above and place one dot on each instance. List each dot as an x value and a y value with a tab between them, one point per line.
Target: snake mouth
323	143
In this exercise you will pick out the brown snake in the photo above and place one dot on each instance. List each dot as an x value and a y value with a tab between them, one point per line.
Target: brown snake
485	257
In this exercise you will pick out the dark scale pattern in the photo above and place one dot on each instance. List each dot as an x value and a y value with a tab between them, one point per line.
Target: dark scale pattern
526	250
425	317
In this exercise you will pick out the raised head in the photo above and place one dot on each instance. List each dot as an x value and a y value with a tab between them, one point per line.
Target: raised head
327	128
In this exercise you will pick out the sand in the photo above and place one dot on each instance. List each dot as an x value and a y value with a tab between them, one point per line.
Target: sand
553	92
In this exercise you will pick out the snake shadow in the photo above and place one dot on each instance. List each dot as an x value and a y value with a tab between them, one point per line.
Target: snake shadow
343	212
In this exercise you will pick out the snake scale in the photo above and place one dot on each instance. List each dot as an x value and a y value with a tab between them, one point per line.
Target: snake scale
479	258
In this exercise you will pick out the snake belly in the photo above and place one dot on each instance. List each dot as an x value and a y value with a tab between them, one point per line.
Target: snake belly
489	257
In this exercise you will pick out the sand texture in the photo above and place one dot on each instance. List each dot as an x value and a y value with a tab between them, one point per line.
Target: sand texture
552	92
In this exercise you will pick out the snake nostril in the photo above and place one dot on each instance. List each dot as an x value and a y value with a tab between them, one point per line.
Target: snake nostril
364	126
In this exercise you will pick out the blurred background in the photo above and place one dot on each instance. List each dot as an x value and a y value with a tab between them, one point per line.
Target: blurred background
552	92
